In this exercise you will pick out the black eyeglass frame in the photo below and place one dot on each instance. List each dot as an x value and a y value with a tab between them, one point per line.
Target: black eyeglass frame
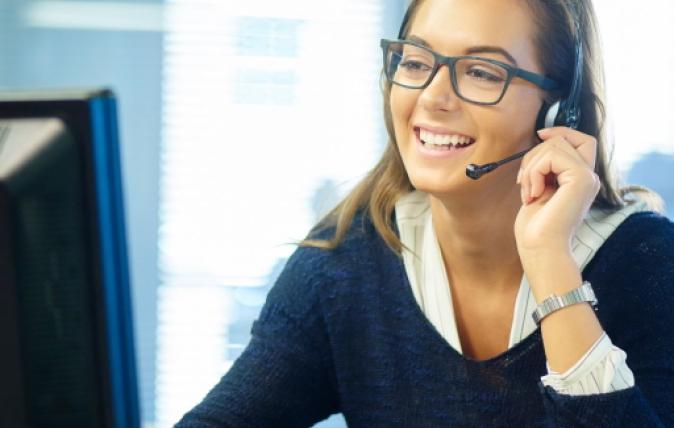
539	80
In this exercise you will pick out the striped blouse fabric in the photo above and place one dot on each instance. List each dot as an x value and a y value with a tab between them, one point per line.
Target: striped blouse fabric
602	369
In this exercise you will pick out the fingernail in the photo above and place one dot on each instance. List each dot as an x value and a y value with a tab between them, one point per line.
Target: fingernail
542	131
519	176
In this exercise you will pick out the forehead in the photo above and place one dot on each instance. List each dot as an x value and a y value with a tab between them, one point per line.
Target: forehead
453	26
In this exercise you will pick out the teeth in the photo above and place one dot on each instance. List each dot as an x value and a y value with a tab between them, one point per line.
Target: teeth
443	139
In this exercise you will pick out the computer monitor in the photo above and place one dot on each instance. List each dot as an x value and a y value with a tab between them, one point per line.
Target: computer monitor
66	340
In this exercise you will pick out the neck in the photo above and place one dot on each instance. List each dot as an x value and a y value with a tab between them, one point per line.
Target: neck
476	237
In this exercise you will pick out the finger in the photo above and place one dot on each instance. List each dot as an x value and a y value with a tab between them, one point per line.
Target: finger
559	141
575	137
585	144
548	166
535	154
523	176
562	143
545	168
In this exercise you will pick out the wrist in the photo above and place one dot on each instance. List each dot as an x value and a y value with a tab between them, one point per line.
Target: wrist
544	244
543	261
554	275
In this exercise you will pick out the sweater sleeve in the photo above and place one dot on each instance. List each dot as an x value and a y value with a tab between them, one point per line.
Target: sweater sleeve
637	273
283	377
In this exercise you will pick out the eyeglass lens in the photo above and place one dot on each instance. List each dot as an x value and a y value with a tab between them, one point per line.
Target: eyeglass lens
476	80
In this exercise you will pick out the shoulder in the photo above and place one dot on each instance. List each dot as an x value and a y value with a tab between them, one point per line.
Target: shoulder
310	272
641	247
645	235
360	241
633	272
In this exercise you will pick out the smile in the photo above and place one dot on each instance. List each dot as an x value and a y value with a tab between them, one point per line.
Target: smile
443	141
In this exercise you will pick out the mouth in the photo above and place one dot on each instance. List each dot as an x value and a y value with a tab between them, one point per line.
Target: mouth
443	142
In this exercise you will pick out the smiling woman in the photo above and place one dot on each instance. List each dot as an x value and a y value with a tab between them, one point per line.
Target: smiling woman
426	298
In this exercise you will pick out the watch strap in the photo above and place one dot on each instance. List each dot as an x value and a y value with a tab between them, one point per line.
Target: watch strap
583	293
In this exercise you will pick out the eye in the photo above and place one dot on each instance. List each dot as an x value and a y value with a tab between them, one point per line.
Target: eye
480	74
412	65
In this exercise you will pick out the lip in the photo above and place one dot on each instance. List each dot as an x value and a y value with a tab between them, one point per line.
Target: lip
429	153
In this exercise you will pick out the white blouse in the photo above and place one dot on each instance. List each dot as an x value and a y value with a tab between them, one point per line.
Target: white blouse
603	368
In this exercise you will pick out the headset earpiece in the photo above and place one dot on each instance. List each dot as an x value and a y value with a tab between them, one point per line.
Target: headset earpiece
548	115
552	115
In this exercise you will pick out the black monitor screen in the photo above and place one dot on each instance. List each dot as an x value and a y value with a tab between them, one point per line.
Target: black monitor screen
65	327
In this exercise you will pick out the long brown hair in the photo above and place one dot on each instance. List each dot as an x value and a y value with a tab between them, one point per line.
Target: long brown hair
378	192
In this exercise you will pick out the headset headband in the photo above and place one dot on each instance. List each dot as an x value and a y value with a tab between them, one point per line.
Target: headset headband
569	110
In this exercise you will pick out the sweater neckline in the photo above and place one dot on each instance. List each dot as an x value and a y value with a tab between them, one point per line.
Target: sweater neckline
429	329
592	236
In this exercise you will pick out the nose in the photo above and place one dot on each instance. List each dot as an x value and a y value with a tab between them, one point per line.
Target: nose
440	93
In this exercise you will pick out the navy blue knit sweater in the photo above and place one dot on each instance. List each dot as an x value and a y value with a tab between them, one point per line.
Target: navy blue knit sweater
341	332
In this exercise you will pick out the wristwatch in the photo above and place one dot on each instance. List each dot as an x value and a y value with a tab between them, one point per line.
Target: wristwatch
584	293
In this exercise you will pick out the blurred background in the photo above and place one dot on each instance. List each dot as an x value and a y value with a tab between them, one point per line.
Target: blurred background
243	122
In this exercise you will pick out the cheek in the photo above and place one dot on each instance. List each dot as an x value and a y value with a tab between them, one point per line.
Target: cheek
513	122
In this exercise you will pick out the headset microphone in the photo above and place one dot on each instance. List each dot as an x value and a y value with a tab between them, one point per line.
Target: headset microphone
564	112
476	171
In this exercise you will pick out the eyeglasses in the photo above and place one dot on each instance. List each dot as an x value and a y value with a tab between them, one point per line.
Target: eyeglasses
474	79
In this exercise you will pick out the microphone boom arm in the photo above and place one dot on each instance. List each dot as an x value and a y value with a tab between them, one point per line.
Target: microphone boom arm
476	171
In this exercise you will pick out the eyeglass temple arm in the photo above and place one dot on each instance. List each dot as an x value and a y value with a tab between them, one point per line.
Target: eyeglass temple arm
543	81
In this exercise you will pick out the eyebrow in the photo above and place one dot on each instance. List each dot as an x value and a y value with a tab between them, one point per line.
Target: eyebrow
473	49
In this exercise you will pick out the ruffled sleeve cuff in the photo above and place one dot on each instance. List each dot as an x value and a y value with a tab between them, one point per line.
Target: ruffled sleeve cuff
602	369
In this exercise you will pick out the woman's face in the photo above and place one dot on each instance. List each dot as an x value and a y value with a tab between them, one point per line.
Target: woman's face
453	27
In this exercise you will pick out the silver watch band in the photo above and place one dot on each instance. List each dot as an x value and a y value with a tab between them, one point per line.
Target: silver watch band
584	293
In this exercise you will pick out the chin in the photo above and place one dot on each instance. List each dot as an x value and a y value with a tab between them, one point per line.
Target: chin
436	184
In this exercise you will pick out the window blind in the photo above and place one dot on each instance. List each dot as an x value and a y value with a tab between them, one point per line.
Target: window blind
272	111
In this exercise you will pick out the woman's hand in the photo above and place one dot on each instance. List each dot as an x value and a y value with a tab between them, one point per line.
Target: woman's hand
558	187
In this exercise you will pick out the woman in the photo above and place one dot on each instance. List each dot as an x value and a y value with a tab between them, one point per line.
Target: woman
411	303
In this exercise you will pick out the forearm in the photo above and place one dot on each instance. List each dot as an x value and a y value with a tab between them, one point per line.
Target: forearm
569	332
